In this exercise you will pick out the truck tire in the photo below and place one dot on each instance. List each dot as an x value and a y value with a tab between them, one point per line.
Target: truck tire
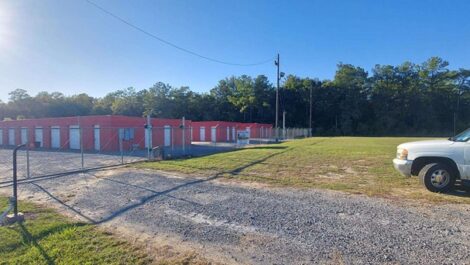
437	177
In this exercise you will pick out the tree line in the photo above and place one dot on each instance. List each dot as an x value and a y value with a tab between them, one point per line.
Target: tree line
407	99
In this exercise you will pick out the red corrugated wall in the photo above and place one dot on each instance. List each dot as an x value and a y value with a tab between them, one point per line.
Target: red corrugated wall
109	130
221	130
110	124
257	130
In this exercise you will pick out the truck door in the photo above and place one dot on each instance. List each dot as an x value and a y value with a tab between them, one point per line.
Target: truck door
466	166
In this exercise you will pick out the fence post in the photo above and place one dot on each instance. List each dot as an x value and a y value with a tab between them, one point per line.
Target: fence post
149	137
15	181
190	137
171	138
81	147
184	136
121	149
28	172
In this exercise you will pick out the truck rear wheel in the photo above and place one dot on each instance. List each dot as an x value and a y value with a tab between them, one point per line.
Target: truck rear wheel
437	177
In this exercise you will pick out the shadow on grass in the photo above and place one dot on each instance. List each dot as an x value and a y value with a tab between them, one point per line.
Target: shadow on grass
277	147
30	239
202	151
27	237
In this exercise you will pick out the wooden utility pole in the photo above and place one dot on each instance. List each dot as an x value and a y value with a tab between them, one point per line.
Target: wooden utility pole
310	121
284	124
277	63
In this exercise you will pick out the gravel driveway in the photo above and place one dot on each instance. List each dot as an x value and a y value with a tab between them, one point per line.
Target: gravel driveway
54	162
238	224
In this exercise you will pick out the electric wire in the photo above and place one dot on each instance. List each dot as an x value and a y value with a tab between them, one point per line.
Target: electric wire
172	44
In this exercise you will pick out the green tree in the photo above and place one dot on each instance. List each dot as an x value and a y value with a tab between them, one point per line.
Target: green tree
128	102
243	94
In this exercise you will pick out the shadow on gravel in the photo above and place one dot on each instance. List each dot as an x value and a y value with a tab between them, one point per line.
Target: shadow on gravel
155	194
460	190
63	203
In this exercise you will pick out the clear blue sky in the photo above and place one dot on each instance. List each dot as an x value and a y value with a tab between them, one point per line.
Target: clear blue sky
72	47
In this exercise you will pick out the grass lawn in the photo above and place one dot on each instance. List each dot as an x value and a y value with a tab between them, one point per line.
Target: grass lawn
49	238
360	165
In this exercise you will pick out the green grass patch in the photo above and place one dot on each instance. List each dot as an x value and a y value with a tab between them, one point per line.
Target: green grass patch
49	238
353	164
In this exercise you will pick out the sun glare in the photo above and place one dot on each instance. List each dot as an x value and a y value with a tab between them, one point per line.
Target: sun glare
5	26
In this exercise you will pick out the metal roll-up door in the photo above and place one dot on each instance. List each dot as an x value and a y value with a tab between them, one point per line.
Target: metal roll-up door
74	137
11	136
202	134
167	135
213	134
96	138
24	135
39	136
55	137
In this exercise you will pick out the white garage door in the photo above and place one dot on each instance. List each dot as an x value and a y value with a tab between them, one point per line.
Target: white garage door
11	136
55	137
1	136
167	135
248	129
214	134
228	134
24	135
96	137
74	137
148	138
202	134
39	136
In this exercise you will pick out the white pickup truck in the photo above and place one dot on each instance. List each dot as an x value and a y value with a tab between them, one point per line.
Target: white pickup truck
438	163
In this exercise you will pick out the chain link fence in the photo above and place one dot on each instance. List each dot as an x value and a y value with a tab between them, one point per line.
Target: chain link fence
58	150
255	135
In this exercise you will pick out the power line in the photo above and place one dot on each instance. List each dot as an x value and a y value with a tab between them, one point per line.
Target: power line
172	44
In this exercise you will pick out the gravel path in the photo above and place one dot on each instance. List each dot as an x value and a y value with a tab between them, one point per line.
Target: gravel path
237	224
54	162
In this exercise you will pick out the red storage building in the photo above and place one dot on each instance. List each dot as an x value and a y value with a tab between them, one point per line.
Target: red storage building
105	133
214	131
224	131
258	130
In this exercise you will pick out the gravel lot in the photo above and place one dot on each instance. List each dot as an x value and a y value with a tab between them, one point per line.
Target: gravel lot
53	162
45	162
256	225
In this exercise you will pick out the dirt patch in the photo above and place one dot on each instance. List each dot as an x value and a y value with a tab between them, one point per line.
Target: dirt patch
165	248
30	216
349	170
331	176
169	174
